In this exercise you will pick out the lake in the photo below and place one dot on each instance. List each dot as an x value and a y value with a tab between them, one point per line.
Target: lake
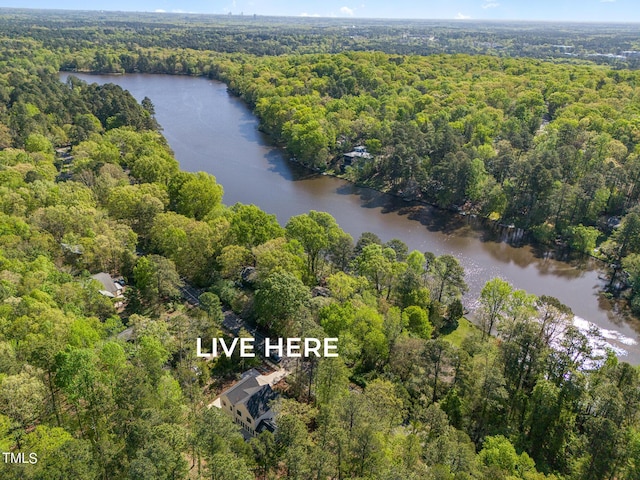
210	130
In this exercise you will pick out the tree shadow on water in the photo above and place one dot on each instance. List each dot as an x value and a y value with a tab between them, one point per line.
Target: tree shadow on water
286	169
434	219
504	243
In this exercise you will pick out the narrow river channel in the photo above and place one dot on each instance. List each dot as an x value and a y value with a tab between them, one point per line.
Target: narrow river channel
210	130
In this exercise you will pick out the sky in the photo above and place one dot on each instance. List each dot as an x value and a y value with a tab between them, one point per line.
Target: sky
550	10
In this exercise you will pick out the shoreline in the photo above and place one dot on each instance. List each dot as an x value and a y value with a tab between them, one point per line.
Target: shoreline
524	239
432	217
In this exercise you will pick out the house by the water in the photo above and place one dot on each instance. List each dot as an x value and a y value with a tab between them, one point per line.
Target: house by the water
350	158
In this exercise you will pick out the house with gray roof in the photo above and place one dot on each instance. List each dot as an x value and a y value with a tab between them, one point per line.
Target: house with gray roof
248	403
110	288
359	153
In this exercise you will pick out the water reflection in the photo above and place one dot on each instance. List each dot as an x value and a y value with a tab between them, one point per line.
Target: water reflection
212	131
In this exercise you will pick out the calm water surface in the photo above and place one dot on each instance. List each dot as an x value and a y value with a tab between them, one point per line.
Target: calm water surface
210	130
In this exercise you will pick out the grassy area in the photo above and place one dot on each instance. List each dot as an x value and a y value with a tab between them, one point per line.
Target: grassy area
465	327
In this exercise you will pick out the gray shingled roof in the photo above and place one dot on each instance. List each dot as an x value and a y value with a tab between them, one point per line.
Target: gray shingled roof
357	155
238	392
107	282
255	397
258	403
267	424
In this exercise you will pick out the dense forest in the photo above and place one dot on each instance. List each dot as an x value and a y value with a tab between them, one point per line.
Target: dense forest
614	44
549	147
88	185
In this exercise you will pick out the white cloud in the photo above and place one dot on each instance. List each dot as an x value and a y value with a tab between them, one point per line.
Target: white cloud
159	10
305	14
491	5
347	11
461	16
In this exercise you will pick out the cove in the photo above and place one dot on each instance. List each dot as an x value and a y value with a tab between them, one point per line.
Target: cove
210	130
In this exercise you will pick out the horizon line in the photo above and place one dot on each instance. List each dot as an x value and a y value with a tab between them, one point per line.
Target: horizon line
317	17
